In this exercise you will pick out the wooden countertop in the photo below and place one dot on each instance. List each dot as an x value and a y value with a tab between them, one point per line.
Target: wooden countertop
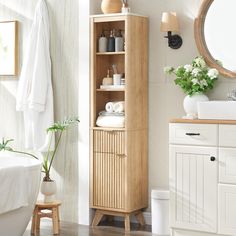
201	121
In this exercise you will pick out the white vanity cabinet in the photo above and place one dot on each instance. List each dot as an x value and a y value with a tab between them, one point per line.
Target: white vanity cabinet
193	177
227	209
227	180
202	174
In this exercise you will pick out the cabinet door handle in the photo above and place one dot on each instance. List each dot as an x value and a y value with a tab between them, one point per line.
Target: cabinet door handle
192	134
212	158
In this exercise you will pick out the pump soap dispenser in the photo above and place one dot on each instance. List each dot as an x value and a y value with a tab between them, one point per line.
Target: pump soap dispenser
107	80
119	42
102	43
111	42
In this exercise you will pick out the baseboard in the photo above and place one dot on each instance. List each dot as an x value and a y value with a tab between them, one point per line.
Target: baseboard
147	217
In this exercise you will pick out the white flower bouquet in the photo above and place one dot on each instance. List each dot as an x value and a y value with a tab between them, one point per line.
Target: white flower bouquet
194	78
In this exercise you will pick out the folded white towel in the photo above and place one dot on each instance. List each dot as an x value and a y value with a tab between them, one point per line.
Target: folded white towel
105	113
119	107
111	121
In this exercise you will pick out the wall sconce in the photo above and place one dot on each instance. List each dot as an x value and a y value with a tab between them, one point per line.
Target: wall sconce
169	23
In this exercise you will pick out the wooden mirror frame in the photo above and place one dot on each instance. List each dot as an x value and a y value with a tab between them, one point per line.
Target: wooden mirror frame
201	43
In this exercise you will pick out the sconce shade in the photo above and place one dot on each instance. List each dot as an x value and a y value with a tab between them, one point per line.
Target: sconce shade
169	22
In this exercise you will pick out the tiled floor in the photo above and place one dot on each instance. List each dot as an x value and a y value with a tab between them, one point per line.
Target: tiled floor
70	229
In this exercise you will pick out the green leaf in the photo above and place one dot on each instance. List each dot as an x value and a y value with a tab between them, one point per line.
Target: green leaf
3	145
61	126
49	156
199	73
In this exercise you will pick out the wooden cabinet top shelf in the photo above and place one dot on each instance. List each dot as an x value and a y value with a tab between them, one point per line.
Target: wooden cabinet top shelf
111	90
108	129
110	53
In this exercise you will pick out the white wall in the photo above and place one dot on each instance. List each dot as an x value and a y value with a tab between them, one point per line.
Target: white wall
70	82
64	20
165	98
10	120
84	212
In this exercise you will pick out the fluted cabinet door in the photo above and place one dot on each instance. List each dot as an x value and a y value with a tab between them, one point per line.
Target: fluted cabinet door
109	181
109	141
109	169
193	187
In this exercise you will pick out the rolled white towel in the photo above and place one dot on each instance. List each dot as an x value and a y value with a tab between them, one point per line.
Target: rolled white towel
119	107
109	106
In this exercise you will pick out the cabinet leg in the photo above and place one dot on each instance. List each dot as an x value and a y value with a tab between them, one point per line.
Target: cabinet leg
127	222
140	218
97	218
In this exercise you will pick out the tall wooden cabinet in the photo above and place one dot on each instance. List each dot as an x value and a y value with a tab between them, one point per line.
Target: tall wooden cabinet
119	155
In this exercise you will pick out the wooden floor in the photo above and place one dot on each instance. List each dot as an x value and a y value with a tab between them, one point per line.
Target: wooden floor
71	229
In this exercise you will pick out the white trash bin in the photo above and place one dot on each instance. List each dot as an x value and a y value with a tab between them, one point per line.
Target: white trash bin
160	211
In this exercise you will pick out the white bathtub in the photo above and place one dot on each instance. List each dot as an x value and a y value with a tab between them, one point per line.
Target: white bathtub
14	223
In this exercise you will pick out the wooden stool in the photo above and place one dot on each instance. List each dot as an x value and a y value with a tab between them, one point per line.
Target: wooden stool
53	207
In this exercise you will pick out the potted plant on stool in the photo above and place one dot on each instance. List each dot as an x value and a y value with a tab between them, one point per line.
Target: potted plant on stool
48	186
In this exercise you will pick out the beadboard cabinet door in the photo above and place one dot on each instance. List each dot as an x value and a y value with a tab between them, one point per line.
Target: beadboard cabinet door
193	187
227	209
227	165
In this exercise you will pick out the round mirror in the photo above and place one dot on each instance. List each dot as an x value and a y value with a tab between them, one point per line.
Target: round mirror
215	35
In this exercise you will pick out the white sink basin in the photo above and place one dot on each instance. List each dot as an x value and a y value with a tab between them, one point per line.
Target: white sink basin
218	110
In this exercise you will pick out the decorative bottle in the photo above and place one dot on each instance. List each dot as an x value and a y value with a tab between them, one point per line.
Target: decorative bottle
125	7
119	42
111	42
102	43
107	80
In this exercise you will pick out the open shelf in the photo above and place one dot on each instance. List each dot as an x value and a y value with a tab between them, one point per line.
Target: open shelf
111	90
108	129
110	53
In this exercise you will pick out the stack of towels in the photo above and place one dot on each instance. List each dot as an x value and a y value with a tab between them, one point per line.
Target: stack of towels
113	116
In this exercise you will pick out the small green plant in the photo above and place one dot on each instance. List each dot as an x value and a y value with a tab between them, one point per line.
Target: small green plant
194	78
58	127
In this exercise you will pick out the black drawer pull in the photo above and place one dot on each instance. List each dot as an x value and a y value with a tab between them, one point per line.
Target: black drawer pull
192	134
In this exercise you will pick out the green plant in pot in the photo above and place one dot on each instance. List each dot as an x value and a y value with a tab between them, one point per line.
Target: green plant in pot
195	80
48	184
59	128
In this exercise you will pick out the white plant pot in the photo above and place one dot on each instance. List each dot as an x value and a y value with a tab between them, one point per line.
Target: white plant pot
48	189
190	105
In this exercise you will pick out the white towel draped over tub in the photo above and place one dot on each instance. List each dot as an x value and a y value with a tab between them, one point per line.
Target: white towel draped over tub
35	95
13	188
